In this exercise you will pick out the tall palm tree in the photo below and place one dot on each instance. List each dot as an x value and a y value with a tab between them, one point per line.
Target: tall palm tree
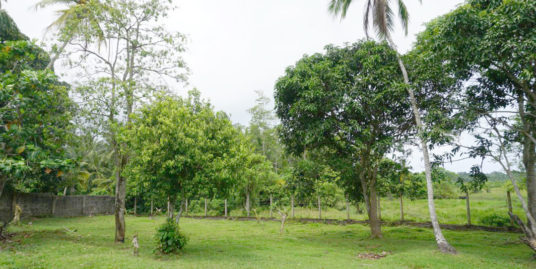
382	16
75	14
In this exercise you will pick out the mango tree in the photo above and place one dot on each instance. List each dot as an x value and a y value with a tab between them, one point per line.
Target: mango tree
183	148
350	100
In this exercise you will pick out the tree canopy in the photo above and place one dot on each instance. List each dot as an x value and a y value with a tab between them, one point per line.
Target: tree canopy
350	101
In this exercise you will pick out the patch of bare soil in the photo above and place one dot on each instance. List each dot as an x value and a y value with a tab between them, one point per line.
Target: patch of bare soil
373	256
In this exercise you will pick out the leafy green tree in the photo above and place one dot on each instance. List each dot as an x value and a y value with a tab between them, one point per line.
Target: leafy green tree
94	172
254	174
397	180
8	28
488	47
140	60
312	181
264	133
34	118
350	101
183	148
382	16
473	183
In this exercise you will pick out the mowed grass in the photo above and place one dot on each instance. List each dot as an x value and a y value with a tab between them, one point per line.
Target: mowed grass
87	242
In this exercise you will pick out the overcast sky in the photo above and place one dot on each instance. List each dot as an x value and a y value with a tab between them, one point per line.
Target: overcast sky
238	46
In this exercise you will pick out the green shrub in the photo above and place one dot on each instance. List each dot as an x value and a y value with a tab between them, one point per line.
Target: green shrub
169	239
496	220
445	190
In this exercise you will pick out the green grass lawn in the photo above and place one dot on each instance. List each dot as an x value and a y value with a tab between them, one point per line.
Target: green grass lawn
88	243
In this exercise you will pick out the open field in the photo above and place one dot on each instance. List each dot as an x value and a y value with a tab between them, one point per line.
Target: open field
449	211
88	243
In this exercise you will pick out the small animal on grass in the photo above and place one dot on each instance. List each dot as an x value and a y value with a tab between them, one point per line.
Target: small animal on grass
135	245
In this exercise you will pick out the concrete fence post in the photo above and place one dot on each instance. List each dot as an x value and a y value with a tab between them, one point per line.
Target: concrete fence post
347	209
135	205
292	205
206	207
83	205
225	207
509	201
319	208
271	203
152	207
54	199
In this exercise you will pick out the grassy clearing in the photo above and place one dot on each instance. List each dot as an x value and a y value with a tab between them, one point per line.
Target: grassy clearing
449	211
53	243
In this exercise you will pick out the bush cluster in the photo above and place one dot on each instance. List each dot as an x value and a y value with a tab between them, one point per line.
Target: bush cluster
169	239
496	220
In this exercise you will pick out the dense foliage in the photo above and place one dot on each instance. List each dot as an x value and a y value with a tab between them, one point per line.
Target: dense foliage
35	116
169	238
182	148
349	101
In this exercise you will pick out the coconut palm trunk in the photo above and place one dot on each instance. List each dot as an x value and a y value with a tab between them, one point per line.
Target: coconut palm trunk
382	21
442	243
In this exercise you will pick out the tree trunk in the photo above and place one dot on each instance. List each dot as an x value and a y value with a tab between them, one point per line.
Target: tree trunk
319	208
292	205
135	205
510	211
347	209
374	221
442	243
247	203
120	193
206	208
370	197
379	208
179	214
401	208
186	207
3	181
529	159
168	207
152	207
50	64
283	219
225	207
271	203
171	212
468	205
529	229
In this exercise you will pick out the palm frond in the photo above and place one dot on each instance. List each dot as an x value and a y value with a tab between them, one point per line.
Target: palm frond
381	13
403	14
64	16
339	7
368	7
46	3
382	16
